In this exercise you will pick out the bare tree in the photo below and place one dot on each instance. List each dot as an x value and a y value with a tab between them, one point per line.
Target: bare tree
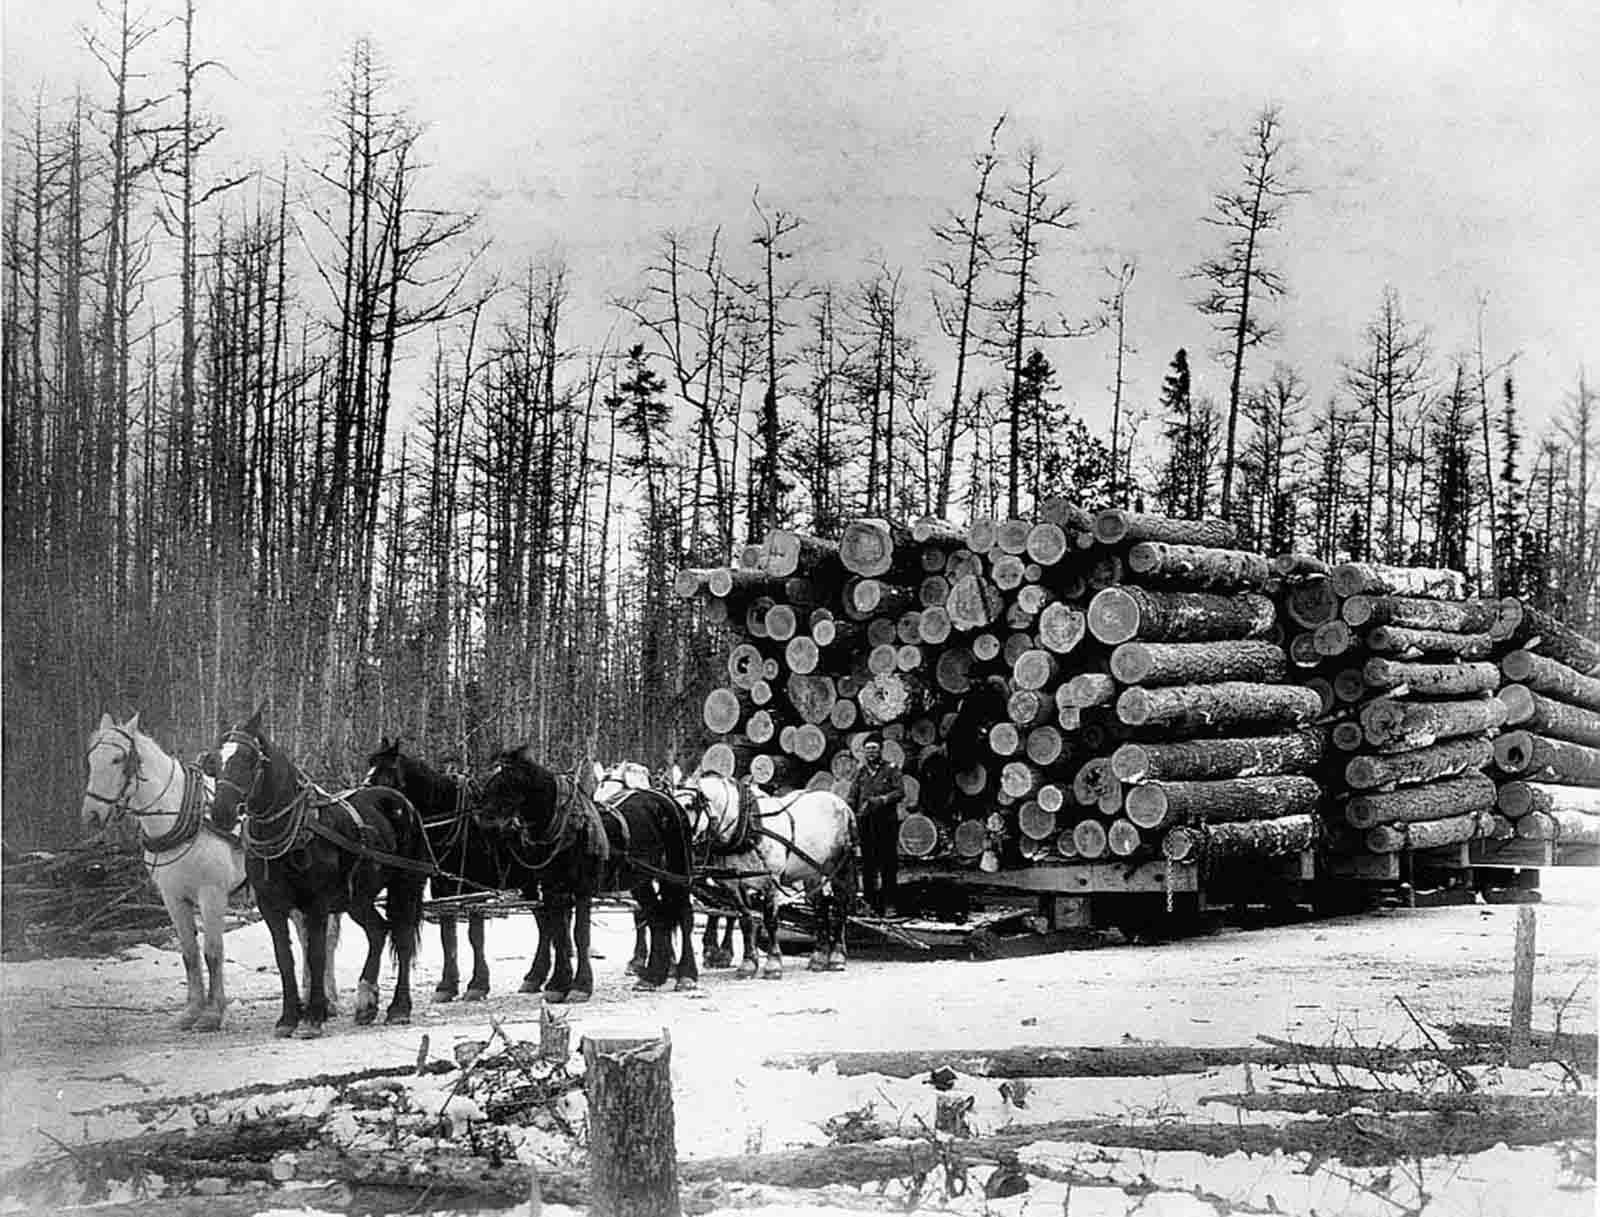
1117	305
772	234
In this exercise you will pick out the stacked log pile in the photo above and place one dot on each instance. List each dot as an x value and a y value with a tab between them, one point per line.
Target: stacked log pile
1547	757
1409	690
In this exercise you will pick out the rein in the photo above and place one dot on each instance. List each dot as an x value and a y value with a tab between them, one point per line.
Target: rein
552	842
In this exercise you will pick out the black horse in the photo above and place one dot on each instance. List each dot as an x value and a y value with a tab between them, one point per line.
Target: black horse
639	843
467	857
318	854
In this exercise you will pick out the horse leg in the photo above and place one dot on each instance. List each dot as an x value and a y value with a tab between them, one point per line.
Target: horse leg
213	909
283	952
688	973
647	920
403	902
641	946
842	898
369	919
750	964
539	969
560	982
773	968
478	986
330	984
583	983
450	979
182	912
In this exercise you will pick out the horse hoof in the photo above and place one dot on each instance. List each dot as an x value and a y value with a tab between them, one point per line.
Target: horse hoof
308	1031
555	997
578	996
211	1020
533	986
476	994
398	1018
442	995
686	984
365	1017
187	1020
772	972
746	970
836	965
283	1030
817	963
645	986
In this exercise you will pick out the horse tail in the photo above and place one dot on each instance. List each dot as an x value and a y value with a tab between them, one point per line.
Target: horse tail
405	887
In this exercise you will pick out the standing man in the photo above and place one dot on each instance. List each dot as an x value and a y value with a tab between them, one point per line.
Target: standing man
875	794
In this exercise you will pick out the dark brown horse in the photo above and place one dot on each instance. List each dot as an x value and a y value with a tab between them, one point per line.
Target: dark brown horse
639	844
318	854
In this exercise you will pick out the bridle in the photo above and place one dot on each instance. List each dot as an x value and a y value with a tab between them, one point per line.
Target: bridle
258	765
132	776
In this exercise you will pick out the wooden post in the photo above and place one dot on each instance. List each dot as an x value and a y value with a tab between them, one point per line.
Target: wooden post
633	1156
1521	1053
555	1035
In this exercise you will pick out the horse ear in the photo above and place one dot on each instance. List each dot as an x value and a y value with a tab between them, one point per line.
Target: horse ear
133	723
253	723
105	721
587	778
675	775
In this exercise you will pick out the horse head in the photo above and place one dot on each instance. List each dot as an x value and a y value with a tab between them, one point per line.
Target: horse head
115	768
388	766
708	799
245	757
519	797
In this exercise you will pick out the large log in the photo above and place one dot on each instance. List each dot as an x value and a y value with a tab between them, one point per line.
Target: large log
1066	515
1535	630
1199	566
1550	718
1398	640
1371	578
868	547
690	581
889	697
1159	804
1047	543
1113	526
1290	565
1431	834
1432	679
723	710
933	530
1123	838
1447	759
725	581
1568	827
1435	800
1121	614
1454	616
1230	703
1552	678
1028	707
1520	798
1044	745
973	603
867	597
952	671
781	622
792	553
1088	689
1034	669
1535	758
1061	627
1332	638
830	632
811	695
1004	739
1391	723
1198	663
746	665
1240	839
1201	760
1089	839
801	654
1093	781
1311	602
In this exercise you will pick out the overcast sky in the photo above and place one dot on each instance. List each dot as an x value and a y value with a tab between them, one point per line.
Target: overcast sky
1449	149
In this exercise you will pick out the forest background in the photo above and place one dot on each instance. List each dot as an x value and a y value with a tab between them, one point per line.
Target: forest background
306	430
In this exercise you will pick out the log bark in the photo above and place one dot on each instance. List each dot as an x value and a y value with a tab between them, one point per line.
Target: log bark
1567	826
1552	678
726	581
1535	630
1114	526
1121	614
1430	834
1204	760
1452	616
1293	565
1397	640
1159	804
1535	758
1371	578
1437	800
1391	723
1198	566
1554	719
1310	603
1065	514
933	530
633	1158
1061	627
1088	689
1520	798
1230	703
869	547
1240	839
1198	663
793	553
1447	759
1432	679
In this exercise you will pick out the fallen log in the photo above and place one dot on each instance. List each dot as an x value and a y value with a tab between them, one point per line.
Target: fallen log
1552	678
1114	525
1188	760
1230	703
1198	663
1553	719
1449	758
1432	679
1240	839
1536	758
1371	578
1391	723
1159	804
1121	614
1337	1102
1436	800
1576	1047
1521	798
1198	566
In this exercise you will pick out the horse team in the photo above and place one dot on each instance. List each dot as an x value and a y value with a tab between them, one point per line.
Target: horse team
555	840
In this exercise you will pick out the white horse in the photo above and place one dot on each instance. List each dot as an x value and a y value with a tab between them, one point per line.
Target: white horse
803	843
194	865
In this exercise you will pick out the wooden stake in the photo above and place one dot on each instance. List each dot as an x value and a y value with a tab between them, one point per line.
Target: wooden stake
1520	1052
633	1158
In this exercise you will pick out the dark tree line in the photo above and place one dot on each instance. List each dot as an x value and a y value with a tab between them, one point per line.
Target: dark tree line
298	440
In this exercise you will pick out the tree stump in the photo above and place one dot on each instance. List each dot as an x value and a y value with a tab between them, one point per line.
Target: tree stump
633	1153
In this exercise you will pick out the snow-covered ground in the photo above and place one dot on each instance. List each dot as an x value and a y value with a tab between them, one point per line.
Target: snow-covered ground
82	1033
